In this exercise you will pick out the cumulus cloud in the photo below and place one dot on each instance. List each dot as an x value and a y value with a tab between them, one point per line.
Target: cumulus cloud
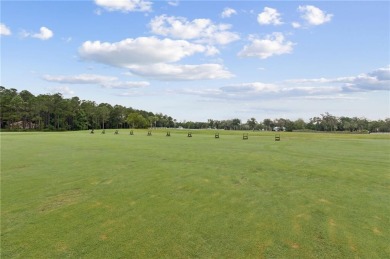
44	34
201	30
270	45
228	12
104	81
381	73
269	16
211	51
143	50
313	15
151	57
377	80
125	5
4	30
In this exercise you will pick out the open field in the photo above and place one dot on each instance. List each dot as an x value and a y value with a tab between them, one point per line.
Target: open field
311	195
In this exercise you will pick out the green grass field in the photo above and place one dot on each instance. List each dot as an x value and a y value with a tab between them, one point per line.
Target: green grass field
311	195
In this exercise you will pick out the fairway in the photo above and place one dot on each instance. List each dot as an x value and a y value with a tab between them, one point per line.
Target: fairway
309	195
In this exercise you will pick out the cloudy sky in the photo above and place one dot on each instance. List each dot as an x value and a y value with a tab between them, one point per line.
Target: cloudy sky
196	60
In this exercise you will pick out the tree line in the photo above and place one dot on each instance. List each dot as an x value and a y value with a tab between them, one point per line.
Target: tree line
25	111
324	122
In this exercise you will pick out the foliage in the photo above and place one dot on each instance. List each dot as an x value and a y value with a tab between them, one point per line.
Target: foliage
137	120
53	112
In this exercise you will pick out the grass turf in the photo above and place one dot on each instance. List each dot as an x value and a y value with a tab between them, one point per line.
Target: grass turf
75	194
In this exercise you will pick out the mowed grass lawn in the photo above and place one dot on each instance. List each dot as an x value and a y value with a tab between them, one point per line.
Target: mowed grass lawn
311	195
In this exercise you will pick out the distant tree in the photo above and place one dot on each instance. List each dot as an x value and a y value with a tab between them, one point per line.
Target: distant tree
281	123
6	95
137	120
90	109
153	120
329	121
236	123
57	110
54	112
299	124
171	123
252	123
104	110
16	108
118	116
289	125
268	123
315	123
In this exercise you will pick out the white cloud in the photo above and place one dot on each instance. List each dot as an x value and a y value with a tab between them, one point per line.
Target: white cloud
377	80
269	16
341	88
4	30
265	91
211	51
296	25
143	50
172	72
228	12
44	34
313	15
104	81
270	45
381	73
201	30
151	57
125	5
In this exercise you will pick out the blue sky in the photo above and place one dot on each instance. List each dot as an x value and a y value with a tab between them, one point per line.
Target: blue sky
196	60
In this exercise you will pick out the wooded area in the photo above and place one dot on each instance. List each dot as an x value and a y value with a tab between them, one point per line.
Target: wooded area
25	111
